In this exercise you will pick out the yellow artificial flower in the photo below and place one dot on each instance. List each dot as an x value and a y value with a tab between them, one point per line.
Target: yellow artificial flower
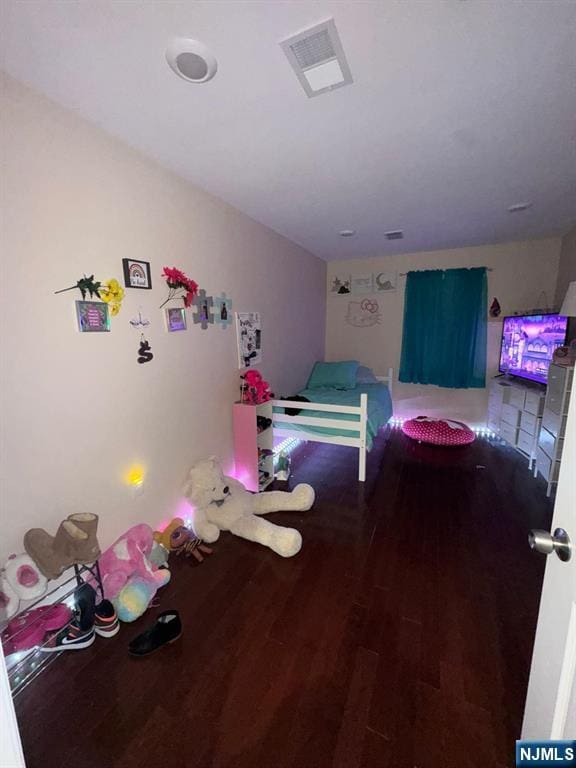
112	293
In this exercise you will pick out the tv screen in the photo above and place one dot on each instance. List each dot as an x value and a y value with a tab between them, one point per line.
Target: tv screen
528	343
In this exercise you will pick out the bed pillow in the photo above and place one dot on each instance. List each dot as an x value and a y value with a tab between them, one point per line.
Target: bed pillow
365	375
340	375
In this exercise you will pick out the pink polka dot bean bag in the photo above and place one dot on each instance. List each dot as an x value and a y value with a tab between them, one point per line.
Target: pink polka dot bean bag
438	431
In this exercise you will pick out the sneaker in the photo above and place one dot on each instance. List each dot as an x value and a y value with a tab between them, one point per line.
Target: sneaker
71	638
106	622
85	599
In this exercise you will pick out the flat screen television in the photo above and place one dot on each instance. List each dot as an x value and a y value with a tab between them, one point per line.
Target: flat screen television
528	344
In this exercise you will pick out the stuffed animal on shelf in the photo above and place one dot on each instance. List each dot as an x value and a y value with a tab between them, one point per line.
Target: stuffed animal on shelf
177	538
223	504
20	579
254	390
126	562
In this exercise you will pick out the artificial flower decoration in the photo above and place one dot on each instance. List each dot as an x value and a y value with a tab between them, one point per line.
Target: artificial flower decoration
180	286
85	285
112	293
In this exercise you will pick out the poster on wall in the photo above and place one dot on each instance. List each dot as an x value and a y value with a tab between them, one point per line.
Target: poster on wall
340	285
249	337
362	284
385	282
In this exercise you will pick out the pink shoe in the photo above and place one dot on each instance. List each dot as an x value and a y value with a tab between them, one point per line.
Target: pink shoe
29	628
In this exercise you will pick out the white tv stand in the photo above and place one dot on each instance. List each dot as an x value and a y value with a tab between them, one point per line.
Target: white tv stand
515	414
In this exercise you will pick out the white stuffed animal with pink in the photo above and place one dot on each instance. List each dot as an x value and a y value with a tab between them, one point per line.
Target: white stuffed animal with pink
20	579
223	504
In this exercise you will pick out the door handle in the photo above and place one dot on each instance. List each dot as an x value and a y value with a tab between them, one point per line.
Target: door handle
545	542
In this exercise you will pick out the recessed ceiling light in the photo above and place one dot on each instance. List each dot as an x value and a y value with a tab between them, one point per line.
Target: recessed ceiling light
519	207
191	60
347	232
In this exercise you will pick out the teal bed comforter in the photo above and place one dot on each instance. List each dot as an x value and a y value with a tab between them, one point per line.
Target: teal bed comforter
379	410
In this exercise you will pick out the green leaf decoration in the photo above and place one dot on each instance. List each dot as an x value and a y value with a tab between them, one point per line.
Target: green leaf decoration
86	285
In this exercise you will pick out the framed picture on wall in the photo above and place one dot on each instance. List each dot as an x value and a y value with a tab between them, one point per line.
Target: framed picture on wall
340	285
137	274
175	319
249	337
384	282
93	316
362	285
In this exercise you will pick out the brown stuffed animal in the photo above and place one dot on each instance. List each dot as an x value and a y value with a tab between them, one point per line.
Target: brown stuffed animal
177	538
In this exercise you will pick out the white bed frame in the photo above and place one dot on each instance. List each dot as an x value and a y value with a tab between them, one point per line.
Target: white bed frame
302	420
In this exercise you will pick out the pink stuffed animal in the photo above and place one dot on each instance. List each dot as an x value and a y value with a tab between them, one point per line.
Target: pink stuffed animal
254	389
127	559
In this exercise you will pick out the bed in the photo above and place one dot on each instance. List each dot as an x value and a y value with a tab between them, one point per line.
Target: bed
350	417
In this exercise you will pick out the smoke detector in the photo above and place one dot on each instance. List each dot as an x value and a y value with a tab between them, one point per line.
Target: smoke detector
191	60
395	234
517	207
317	57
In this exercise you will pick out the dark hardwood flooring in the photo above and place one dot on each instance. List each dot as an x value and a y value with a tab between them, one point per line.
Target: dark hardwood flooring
400	636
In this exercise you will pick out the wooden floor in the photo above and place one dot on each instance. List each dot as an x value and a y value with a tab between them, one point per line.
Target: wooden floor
400	636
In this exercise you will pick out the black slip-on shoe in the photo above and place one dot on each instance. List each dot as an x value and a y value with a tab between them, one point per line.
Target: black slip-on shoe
165	630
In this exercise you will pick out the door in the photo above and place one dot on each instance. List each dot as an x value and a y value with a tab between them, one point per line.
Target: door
10	748
551	702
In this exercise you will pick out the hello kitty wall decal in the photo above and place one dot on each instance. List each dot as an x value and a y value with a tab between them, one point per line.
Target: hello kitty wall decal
363	314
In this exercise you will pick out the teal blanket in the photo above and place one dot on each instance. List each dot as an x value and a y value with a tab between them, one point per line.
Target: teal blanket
379	410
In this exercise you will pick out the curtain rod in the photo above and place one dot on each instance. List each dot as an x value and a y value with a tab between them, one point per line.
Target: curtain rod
403	274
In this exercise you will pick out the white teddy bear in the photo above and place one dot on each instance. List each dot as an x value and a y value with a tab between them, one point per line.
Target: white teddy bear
223	504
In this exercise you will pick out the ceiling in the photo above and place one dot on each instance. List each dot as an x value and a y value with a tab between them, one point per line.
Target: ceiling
459	109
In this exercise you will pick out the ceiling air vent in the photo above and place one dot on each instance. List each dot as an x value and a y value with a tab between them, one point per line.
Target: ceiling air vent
318	59
395	234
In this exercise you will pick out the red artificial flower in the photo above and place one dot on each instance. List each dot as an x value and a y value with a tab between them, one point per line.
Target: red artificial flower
174	276
176	280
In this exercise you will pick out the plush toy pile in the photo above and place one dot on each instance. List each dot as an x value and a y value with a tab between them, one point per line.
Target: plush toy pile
254	389
223	504
129	577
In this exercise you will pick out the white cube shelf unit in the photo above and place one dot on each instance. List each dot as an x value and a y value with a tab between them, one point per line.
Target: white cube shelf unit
551	437
515	414
253	446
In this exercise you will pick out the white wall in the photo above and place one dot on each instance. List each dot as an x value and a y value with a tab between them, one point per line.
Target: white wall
566	265
77	409
521	271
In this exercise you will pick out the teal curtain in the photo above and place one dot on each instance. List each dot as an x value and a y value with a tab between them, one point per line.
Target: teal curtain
444	336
